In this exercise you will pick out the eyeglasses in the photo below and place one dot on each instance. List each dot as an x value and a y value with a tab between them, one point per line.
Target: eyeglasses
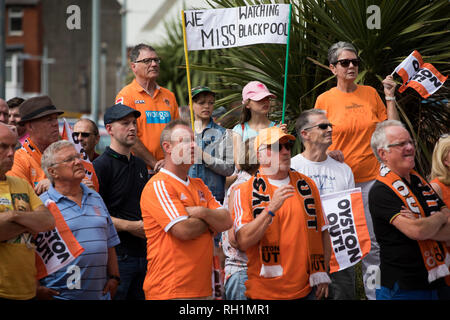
321	126
83	134
346	62
287	145
69	160
402	144
149	60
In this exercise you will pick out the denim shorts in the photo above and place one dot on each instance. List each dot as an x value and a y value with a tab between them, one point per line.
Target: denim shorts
235	286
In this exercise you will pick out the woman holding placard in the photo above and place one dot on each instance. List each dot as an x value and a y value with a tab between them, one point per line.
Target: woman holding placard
354	110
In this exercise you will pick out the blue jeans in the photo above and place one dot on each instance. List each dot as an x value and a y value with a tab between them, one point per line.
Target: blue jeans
132	274
400	294
235	286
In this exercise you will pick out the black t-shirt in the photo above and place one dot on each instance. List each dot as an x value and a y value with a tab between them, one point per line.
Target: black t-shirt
400	257
121	183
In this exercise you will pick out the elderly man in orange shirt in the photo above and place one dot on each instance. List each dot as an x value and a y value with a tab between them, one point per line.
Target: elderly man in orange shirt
40	117
180	217
157	104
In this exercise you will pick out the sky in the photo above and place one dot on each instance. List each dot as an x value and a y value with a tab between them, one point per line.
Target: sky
147	13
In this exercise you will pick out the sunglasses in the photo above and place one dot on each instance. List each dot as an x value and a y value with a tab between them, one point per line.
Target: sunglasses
287	145
149	60
346	62
321	126
445	135
83	134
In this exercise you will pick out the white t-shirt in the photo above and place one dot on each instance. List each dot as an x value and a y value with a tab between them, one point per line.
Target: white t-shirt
329	175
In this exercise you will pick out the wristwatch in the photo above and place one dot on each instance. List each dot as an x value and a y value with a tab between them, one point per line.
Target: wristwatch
117	278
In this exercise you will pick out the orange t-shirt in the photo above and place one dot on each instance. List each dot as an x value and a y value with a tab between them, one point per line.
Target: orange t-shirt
445	189
354	116
176	269
28	167
156	113
294	283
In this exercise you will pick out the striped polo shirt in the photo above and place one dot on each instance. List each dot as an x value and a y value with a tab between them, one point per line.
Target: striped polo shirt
86	276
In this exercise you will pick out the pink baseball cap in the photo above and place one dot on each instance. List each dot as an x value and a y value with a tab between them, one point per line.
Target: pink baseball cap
256	91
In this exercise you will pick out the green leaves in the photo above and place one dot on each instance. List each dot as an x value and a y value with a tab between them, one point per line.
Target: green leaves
405	26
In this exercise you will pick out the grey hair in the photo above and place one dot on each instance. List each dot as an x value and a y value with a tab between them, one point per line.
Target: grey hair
48	160
136	50
335	50
303	120
378	140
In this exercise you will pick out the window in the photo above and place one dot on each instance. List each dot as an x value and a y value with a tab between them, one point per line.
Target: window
15	18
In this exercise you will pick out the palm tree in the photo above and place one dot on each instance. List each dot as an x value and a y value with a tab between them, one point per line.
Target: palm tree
403	27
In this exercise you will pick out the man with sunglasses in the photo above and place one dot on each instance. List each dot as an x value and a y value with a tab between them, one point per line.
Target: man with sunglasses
279	223
157	105
86	132
330	175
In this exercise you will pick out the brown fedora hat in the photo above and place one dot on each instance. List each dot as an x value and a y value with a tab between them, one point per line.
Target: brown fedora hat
37	107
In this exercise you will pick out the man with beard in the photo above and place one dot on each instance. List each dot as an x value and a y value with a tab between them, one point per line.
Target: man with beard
122	177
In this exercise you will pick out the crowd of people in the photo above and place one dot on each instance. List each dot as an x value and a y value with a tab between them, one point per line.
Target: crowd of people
167	199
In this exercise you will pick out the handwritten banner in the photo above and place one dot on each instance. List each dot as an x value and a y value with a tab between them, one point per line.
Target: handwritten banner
235	27
350	240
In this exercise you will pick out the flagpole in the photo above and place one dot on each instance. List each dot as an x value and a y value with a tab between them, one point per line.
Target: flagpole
287	63
187	68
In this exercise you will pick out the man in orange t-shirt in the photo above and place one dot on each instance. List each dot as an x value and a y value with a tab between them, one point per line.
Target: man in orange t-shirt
40	118
180	214
157	104
279	223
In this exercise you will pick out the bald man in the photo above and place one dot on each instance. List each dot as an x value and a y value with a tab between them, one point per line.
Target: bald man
22	214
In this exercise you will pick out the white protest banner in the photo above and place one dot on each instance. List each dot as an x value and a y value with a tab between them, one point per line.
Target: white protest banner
238	26
350	240
55	248
422	77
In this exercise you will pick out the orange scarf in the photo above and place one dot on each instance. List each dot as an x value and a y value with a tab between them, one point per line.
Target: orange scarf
434	253
269	247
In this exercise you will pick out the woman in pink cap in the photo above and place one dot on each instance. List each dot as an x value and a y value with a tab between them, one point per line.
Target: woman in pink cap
254	117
